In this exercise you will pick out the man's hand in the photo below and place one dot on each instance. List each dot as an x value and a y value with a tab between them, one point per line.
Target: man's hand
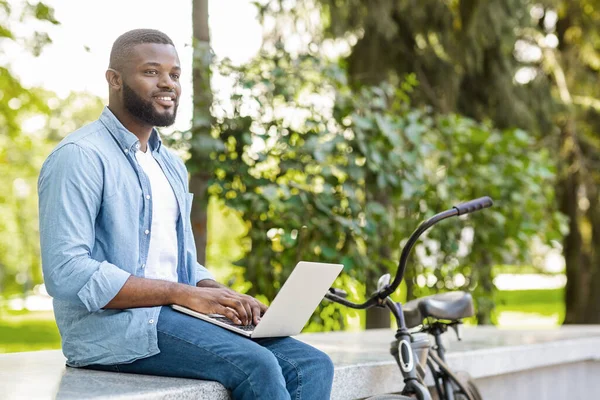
209	297
240	308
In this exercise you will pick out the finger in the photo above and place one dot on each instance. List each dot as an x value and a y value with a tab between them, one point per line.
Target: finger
255	311
237	305
248	307
230	313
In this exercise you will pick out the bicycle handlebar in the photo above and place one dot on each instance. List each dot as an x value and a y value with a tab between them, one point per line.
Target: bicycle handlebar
378	297
474	205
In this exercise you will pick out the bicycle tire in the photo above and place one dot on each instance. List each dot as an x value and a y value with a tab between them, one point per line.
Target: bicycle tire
390	397
469	385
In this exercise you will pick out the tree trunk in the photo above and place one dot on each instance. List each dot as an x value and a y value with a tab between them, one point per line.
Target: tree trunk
576	290
485	301
592	314
199	162
376	317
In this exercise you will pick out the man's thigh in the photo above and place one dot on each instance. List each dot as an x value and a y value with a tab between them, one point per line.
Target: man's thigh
271	367
193	348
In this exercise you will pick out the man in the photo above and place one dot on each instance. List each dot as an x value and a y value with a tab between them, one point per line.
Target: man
117	245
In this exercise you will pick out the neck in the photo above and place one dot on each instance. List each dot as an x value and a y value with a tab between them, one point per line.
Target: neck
139	128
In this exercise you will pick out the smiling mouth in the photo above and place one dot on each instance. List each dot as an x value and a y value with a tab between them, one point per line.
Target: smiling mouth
165	101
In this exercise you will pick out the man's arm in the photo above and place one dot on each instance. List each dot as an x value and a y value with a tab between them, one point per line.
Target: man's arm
211	299
70	191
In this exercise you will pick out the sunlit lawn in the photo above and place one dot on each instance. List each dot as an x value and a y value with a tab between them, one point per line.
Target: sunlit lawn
28	331
530	308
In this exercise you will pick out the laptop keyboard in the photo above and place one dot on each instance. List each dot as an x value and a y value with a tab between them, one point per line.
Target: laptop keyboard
226	320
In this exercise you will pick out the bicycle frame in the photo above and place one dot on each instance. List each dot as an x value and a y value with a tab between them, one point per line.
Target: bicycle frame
401	348
436	361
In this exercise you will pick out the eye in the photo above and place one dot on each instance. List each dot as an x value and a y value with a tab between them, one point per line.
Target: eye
151	72
175	77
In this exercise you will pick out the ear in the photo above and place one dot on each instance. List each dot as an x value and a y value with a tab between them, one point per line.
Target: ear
113	77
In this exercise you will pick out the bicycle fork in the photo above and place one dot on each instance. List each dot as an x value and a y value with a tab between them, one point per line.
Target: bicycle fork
401	350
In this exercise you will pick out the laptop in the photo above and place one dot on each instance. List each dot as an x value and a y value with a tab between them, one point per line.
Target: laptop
292	307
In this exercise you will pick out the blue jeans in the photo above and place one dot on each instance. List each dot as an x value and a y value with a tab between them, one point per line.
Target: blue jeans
269	368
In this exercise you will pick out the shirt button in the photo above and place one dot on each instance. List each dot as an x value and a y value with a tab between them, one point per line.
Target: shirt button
137	146
146	231
126	150
143	266
147	197
151	321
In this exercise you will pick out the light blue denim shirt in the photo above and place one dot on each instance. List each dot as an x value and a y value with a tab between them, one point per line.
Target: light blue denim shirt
95	216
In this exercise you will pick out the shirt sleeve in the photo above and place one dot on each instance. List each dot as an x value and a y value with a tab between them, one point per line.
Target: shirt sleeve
70	190
202	273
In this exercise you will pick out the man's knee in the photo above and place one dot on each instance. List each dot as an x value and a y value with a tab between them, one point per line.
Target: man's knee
264	378
316	363
264	363
324	364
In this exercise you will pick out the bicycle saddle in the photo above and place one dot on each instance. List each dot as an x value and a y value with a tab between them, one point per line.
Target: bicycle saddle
451	305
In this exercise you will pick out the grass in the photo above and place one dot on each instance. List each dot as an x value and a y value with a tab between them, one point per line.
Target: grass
30	331
544	308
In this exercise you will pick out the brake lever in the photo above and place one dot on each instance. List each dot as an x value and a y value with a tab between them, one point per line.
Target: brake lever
457	328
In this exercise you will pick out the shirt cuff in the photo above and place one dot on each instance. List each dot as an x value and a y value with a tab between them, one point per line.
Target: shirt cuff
202	273
103	286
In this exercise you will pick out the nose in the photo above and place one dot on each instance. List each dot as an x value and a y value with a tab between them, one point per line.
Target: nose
166	81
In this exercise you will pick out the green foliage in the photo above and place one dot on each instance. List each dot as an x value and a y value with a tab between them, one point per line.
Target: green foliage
31	122
20	157
321	171
468	55
461	51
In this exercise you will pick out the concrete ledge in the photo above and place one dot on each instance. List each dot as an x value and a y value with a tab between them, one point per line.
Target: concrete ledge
495	358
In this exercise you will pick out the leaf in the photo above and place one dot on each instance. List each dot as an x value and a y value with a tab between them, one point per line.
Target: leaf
362	122
4	32
269	192
45	13
388	130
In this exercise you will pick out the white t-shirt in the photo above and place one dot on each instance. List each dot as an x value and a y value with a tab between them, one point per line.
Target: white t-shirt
162	255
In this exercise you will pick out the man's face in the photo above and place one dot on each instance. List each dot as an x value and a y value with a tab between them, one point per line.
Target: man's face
151	86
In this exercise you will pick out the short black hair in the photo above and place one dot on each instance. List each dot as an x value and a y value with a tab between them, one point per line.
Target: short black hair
122	47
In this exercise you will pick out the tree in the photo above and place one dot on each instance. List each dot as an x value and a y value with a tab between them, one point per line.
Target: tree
463	56
553	44
573	62
320	170
199	164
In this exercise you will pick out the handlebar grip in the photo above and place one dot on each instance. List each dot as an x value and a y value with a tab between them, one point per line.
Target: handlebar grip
474	205
338	292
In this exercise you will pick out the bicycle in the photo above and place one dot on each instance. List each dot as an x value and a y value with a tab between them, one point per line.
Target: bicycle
412	351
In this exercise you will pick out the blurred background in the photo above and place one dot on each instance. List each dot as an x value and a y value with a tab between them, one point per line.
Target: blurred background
326	130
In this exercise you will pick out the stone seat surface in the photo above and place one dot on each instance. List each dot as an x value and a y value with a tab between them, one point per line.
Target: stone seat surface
363	365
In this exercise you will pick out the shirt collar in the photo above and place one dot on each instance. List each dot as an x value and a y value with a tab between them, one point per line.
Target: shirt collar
124	137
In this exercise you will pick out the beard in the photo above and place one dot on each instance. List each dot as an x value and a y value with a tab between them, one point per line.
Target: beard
145	110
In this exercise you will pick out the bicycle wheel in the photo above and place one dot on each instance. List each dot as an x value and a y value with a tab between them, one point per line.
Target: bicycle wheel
390	397
467	383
